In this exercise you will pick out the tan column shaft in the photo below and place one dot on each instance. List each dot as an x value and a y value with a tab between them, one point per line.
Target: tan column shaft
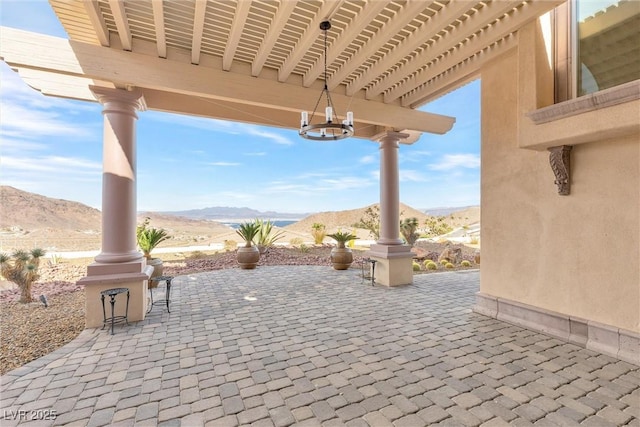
119	198
390	189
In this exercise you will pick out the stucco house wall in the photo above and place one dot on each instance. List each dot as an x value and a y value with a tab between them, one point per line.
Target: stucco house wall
565	265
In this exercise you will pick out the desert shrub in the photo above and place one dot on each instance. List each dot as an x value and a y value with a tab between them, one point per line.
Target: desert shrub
318	232
474	240
444	262
448	265
371	221
197	255
436	226
304	248
230	245
465	263
416	266
296	242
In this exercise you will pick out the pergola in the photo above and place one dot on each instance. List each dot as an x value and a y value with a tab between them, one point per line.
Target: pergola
261	62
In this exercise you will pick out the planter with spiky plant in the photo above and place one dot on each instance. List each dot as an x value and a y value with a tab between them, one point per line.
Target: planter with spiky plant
23	271
148	238
248	255
341	256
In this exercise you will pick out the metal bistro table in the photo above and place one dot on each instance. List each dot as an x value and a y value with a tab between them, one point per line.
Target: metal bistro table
368	266
112	293
167	294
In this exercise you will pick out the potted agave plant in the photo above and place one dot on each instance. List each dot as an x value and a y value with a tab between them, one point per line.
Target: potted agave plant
148	238
249	254
266	237
341	256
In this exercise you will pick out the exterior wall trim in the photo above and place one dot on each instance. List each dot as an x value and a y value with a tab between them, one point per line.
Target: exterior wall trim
605	98
605	339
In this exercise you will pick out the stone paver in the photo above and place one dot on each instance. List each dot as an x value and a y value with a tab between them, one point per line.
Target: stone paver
308	345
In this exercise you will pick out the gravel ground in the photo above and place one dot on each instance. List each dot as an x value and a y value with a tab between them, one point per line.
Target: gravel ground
30	331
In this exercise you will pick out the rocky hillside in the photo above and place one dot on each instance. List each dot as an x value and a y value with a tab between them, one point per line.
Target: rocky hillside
346	219
29	211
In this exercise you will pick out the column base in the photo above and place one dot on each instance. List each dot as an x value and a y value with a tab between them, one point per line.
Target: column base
393	264
133	275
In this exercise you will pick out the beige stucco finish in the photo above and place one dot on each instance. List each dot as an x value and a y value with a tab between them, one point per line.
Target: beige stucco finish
577	255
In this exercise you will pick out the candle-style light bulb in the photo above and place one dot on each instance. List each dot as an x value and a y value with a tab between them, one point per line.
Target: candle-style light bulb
305	118
328	114
350	118
323	132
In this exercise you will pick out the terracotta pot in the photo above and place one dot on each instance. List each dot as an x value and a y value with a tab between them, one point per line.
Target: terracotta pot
156	263
341	258
248	257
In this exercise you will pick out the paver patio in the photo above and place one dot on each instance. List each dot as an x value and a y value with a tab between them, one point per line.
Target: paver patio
309	345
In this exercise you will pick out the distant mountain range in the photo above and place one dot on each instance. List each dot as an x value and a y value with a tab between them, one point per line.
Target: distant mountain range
444	211
222	213
33	220
29	211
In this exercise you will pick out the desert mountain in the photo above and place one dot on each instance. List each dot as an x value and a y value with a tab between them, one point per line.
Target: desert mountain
31	211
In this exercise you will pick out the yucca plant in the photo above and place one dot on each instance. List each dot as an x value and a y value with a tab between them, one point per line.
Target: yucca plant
23	271
149	237
318	232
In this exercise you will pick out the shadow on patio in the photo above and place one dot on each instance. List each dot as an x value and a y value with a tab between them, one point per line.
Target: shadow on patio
310	345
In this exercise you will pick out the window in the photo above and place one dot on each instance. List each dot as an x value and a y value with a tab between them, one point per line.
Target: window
597	46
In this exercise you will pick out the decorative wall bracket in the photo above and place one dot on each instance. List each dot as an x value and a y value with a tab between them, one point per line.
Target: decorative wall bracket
559	158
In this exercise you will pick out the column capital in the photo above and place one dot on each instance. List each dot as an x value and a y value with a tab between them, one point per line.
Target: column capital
405	137
390	136
106	95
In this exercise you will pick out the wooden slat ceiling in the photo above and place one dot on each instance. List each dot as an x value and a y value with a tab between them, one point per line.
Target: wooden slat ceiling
401	53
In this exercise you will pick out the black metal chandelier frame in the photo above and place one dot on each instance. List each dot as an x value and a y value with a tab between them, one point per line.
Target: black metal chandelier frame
331	129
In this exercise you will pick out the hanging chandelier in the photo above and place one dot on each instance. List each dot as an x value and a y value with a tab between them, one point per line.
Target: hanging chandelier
331	129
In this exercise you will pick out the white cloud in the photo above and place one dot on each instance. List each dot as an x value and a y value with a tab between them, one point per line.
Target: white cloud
412	176
366	160
19	145
51	164
318	184
456	161
259	153
27	114
214	125
224	164
273	136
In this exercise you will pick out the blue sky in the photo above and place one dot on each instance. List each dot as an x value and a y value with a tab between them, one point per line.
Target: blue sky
53	147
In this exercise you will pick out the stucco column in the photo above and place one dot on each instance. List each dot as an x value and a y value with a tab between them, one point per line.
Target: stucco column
390	189
119	199
393	258
119	264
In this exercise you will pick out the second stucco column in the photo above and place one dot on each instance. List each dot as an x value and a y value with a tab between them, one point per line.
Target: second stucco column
393	258
390	189
119	197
